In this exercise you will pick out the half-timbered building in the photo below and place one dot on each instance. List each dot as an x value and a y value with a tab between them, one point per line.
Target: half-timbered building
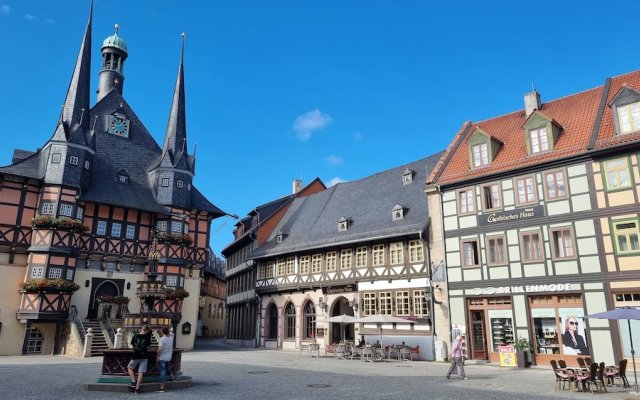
357	248
77	218
540	224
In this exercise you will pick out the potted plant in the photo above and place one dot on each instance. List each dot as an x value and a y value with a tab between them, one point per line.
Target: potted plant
522	346
43	284
178	294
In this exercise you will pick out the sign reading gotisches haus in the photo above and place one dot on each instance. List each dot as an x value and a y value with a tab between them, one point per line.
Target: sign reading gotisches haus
511	215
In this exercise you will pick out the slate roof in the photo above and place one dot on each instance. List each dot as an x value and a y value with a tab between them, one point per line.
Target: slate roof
585	118
311	222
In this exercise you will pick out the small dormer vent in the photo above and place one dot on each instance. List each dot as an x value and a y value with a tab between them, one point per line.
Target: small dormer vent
343	224
407	176
397	213
280	236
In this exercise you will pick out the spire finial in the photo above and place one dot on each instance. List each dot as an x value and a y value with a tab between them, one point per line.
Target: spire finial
533	87
117	29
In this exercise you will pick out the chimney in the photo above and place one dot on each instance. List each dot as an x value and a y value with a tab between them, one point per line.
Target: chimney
297	185
531	102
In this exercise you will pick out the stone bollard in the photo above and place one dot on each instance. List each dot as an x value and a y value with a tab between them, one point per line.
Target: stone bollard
88	342
117	344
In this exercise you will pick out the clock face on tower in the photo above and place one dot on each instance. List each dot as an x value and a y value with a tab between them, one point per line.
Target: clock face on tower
118	126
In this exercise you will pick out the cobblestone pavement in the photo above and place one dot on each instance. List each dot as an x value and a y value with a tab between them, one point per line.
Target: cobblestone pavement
223	372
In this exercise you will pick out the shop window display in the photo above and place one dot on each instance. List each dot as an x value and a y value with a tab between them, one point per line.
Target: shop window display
546	332
501	323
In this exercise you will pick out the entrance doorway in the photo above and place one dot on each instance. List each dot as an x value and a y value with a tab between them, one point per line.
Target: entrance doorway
478	335
342	332
104	288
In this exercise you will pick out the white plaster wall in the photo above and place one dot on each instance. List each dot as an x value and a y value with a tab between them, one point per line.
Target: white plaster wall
12	332
581	202
189	313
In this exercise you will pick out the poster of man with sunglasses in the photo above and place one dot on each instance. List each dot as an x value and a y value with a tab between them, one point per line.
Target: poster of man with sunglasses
573	337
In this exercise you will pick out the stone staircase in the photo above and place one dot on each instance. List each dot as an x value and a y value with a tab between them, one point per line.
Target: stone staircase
99	341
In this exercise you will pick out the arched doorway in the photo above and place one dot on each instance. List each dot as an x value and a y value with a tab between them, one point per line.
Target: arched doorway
341	332
104	288
272	328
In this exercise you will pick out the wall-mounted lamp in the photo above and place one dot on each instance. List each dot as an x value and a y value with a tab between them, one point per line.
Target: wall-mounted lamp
322	304
353	303
128	285
87	283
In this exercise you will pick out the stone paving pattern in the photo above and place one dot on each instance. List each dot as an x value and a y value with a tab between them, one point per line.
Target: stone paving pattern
224	372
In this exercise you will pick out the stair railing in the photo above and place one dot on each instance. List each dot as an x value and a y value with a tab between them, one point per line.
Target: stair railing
110	331
75	318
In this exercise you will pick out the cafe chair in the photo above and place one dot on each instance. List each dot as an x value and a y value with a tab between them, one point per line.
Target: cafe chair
582	363
367	351
601	376
562	363
619	373
562	376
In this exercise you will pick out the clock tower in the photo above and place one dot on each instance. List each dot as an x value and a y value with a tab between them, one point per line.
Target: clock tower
114	53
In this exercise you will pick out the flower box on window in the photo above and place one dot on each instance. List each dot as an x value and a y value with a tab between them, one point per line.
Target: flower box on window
63	224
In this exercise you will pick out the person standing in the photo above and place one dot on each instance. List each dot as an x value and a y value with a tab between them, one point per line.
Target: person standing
140	344
165	352
456	358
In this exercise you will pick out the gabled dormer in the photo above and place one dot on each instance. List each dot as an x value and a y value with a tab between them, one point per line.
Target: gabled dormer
407	176
541	133
397	213
280	236
343	224
122	177
625	107
482	148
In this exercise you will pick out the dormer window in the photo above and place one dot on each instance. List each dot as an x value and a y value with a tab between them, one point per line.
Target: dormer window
480	155
629	118
55	158
280	237
122	177
180	184
343	224
541	133
482	148
407	176
397	213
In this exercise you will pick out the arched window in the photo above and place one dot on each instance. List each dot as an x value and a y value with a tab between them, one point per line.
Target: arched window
309	318
290	321
273	322
35	340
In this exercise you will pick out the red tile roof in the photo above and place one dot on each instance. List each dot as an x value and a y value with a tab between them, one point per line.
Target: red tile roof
576	114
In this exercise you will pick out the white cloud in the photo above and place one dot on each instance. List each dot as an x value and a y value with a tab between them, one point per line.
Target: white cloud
335	181
357	135
5	9
333	160
310	122
32	18
50	21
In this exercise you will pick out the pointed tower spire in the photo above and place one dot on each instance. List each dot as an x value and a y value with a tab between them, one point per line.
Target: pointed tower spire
175	142
75	111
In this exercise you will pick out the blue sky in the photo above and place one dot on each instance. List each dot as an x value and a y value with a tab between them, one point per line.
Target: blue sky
335	89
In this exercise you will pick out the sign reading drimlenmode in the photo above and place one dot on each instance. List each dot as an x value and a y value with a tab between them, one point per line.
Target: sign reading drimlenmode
552	287
511	215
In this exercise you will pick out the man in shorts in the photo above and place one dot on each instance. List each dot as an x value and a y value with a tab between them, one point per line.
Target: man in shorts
139	343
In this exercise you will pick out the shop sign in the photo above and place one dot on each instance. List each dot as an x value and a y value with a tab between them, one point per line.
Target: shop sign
507	356
511	215
339	289
560	287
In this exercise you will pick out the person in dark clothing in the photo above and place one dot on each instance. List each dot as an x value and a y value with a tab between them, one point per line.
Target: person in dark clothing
572	339
140	344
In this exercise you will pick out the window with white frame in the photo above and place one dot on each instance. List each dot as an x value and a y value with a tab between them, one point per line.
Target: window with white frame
172	280
69	274
179	184
116	229
625	234
491	196
87	164
54	273
361	257
176	227
305	262
345	259
290	266
386	305
330	261
270	269
35	340
282	265
162	226
563	246
480	154
377	254
465	201
369	304
416	251
395	253
164	182
496	250
526	187
470	253
420	308
101	228
73	160
79	212
316	263
66	210
131	232
531	246
402	303
617	173
538	140
37	271
629	118
47	208
55	158
555	185
123	178
289	321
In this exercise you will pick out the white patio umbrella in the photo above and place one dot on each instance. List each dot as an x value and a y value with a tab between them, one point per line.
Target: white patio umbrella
380	319
622	313
340	319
